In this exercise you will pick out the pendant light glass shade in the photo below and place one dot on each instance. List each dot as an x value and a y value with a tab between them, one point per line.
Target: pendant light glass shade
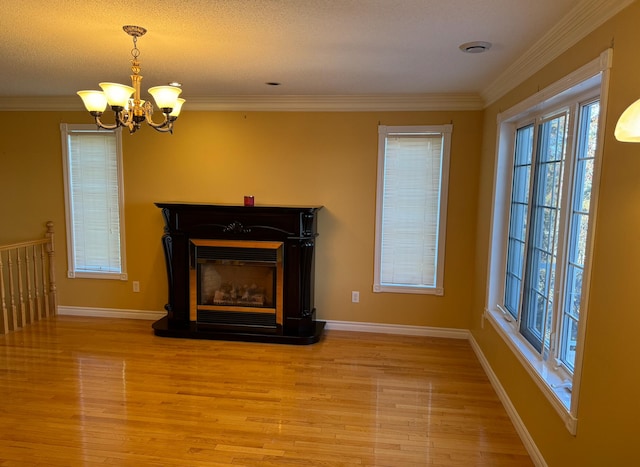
94	101
628	126
118	95
165	96
176	109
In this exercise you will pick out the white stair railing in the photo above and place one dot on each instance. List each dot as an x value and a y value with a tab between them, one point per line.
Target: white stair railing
27	282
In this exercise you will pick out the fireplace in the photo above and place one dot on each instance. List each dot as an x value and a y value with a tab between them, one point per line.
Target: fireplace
240	273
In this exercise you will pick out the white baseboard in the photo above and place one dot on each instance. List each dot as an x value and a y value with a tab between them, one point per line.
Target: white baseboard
527	440
450	333
110	313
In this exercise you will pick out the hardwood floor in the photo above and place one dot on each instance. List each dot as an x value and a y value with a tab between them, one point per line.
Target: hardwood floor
95	391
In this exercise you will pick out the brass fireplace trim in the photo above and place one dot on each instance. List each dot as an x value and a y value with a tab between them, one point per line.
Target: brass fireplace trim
279	299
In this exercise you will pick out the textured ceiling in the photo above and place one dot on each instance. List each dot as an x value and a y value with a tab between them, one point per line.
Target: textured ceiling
233	47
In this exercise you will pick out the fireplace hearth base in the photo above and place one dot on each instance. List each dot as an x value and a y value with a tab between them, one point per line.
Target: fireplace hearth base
194	331
240	273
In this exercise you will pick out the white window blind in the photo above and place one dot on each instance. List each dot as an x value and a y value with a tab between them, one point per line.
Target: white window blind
93	185
411	205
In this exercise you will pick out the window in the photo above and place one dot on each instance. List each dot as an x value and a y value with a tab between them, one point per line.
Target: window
92	161
545	199
413	172
535	233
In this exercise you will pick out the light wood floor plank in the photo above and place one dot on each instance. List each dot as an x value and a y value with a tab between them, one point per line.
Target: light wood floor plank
98	391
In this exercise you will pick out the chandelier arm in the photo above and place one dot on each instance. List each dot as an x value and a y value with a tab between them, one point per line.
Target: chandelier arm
125	117
148	113
168	128
104	126
152	124
165	127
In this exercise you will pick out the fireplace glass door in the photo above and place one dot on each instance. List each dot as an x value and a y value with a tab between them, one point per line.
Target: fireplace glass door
236	283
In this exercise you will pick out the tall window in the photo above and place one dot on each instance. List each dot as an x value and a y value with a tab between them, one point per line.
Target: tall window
413	172
92	162
545	194
543	228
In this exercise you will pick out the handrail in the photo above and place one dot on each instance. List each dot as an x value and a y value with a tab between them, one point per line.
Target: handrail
27	281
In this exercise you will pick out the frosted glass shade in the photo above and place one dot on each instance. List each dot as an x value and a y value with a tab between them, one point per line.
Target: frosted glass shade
165	96
176	109
117	94
628	126
94	101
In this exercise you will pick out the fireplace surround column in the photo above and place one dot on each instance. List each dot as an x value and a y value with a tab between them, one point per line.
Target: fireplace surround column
224	281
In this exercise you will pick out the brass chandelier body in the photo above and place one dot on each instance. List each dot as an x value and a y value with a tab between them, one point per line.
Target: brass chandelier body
130	111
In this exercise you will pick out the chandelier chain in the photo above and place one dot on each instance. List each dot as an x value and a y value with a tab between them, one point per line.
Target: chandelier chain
135	52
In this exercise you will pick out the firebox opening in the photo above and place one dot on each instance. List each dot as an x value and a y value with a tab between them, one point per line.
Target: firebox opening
237	283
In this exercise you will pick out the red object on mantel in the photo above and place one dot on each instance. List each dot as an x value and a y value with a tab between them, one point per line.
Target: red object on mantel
248	201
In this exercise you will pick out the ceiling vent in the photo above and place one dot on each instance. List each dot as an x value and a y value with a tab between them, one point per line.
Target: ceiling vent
476	47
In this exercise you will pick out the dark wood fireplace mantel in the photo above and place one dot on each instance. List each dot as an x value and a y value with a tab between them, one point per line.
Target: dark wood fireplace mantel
196	232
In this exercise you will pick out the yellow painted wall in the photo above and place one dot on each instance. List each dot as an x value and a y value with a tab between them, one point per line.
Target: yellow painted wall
609	398
307	158
330	159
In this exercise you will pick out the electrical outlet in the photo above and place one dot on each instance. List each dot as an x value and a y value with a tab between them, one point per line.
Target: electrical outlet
355	296
136	286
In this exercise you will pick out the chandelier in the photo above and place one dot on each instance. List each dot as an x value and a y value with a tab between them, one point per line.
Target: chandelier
131	111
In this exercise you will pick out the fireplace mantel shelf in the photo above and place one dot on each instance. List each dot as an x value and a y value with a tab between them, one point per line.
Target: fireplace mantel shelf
279	207
196	233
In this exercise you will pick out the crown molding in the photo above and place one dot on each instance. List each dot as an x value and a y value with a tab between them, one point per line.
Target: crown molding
583	19
44	103
360	103
342	103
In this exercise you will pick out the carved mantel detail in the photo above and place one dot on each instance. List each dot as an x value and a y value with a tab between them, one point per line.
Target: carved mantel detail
236	228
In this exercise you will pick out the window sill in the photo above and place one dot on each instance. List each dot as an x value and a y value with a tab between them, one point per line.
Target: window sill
97	275
549	379
377	288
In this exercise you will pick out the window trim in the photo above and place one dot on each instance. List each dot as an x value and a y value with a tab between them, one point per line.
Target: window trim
549	378
65	130
383	131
